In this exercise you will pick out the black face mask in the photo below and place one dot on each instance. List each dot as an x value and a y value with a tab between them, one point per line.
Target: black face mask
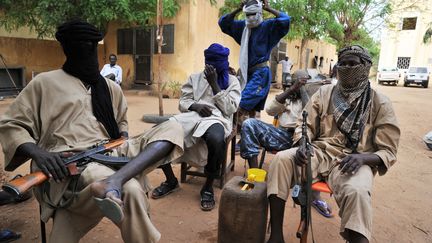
82	62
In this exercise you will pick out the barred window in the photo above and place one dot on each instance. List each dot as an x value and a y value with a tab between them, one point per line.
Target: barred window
403	62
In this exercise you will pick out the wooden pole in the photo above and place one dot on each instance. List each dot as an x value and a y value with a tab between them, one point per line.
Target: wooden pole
159	38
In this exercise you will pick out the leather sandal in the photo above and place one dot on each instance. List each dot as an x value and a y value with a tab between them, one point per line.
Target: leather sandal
207	200
164	189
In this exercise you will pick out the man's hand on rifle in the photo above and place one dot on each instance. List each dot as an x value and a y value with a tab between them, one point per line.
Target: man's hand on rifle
51	164
301	157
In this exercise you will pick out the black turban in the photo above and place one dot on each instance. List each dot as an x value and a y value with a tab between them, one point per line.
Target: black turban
79	41
77	30
355	50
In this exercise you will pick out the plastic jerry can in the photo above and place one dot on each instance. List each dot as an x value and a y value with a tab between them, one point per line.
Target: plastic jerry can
243	213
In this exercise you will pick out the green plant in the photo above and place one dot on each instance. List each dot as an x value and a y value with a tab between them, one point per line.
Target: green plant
175	88
43	16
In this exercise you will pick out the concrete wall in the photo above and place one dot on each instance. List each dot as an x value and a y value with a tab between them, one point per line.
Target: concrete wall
23	32
35	55
396	42
317	48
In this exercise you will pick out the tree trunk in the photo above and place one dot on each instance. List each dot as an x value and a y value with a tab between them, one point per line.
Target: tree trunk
160	42
106	26
302	57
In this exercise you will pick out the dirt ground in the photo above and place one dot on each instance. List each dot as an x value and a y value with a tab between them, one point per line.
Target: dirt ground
401	199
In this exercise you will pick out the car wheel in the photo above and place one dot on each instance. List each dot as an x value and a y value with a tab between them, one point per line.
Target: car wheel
405	84
425	84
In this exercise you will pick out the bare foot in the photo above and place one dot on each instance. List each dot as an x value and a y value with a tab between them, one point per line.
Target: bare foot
107	189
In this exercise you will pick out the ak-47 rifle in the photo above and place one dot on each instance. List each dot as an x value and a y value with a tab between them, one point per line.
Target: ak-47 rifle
20	185
302	194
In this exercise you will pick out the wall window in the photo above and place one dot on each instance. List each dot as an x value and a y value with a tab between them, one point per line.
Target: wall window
409	23
403	62
142	41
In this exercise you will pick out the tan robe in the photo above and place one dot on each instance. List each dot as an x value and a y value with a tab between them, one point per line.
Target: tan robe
224	104
55	112
352	192
287	113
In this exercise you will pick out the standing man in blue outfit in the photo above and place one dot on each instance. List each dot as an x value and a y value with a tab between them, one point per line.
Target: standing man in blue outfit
256	37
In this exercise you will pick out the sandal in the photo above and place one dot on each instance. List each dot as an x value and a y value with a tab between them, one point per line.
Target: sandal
164	189
207	200
7	235
110	208
322	208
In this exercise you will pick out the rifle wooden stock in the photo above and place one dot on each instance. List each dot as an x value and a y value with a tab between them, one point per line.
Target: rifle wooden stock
20	185
302	231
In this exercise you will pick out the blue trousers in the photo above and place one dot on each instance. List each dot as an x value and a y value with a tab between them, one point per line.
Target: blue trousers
256	134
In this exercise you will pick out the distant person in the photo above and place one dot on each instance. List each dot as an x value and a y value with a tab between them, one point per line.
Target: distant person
256	37
112	70
287	65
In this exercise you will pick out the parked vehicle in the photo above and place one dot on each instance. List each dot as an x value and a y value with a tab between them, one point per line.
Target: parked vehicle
389	75
417	75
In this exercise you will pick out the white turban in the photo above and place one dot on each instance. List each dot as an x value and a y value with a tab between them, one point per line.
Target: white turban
252	21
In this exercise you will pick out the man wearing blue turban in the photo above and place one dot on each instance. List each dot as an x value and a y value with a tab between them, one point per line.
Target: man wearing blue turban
209	100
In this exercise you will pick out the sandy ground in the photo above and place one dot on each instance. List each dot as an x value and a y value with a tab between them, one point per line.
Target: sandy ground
401	199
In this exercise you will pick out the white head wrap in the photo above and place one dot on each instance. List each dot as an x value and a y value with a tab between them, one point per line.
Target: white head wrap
252	21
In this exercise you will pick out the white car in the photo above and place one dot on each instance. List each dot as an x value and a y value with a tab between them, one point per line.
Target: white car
417	75
388	75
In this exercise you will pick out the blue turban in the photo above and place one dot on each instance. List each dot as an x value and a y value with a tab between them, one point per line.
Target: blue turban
217	56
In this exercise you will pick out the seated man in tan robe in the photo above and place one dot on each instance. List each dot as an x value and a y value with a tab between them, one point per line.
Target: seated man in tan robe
209	100
354	135
72	109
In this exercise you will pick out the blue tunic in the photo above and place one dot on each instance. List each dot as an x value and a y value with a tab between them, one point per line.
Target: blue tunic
262	40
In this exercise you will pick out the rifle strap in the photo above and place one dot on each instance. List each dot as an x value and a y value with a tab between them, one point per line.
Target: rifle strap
309	178
69	189
296	178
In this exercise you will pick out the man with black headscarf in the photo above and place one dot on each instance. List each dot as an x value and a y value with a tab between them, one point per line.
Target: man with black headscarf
354	135
208	101
70	110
